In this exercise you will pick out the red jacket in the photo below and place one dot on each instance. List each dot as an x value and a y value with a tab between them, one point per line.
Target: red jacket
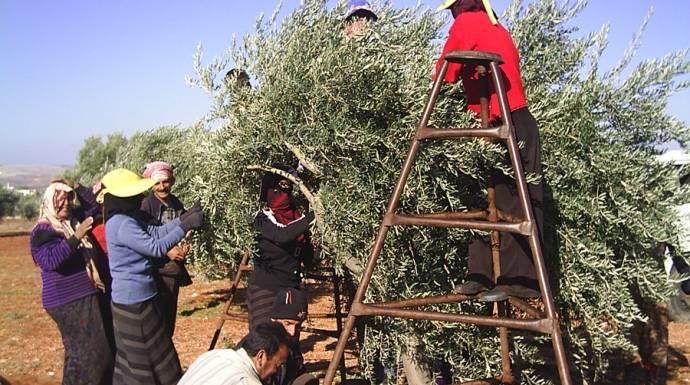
98	233
473	31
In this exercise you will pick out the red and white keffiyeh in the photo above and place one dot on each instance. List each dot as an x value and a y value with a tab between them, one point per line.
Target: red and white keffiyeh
159	171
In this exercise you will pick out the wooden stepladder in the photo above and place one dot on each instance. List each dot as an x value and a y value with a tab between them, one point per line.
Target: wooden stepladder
227	313
491	220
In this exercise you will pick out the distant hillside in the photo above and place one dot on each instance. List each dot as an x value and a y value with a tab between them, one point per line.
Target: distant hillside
32	177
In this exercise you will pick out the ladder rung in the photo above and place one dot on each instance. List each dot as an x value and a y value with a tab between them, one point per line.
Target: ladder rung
526	307
325	332
537	325
459	133
241	316
472	214
423	301
325	315
473	57
437	220
235	316
486	381
455	298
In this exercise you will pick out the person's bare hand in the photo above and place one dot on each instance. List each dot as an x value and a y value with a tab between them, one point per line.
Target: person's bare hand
177	253
184	248
83	228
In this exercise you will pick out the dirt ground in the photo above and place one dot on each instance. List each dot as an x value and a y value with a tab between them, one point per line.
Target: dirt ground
31	350
15	224
30	347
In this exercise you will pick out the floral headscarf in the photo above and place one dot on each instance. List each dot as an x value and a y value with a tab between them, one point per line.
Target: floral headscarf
56	195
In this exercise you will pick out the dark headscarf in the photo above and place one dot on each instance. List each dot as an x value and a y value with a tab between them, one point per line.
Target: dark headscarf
270	180
130	206
279	200
471	5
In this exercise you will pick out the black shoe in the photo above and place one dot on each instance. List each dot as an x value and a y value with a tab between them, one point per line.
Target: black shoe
469	288
522	291
496	294
501	293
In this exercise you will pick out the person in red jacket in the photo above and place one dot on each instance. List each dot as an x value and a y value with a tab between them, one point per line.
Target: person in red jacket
475	28
98	229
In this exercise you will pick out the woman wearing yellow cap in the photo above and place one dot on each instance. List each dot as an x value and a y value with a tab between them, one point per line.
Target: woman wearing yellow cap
475	28
145	351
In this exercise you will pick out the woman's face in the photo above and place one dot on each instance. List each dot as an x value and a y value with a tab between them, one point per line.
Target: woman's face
64	209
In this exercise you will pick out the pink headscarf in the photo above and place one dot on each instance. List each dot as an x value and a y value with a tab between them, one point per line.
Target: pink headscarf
160	171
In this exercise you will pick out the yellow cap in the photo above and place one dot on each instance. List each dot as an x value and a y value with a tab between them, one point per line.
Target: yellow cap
487	6
124	183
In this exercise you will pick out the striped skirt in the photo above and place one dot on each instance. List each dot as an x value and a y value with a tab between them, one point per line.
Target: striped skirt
259	304
145	351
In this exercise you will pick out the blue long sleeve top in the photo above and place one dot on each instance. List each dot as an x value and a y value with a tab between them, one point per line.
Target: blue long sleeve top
131	245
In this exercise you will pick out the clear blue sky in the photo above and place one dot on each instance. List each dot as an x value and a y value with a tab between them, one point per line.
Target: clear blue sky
74	68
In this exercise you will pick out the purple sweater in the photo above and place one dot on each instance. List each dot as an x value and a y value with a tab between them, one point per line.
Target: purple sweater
63	270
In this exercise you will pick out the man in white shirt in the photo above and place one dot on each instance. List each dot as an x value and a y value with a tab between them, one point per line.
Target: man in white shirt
263	352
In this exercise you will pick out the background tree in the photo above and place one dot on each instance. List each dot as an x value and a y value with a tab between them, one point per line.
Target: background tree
95	156
28	205
173	144
8	202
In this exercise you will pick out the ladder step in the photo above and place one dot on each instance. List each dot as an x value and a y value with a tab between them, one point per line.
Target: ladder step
535	325
519	303
428	133
473	57
455	220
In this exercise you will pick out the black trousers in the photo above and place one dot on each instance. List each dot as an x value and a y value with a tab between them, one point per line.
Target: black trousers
168	292
259	303
516	256
169	278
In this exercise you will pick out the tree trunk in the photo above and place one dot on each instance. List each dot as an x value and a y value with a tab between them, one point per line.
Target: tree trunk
415	372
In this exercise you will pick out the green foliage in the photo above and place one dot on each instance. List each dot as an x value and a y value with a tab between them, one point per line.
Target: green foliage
172	144
349	107
612	202
94	157
13	203
28	206
8	201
